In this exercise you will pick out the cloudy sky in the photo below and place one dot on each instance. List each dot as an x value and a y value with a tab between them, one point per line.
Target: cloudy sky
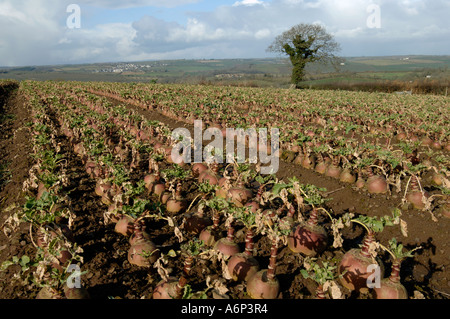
43	32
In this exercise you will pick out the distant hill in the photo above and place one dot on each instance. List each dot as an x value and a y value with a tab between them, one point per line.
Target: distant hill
246	72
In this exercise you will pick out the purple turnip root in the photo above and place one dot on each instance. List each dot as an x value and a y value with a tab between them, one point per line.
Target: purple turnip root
391	288
310	238
173	287
226	245
333	170
177	203
210	234
139	232
170	289
142	252
210	175
376	184
150	180
354	269
445	210
347	177
360	182
253	206
242	266
417	197
158	189
198	168
165	196
239	195
125	225
321	166
264	284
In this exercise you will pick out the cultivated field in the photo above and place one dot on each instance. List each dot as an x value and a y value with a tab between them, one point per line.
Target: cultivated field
88	182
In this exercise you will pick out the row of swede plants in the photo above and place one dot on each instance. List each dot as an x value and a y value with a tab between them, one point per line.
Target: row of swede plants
48	212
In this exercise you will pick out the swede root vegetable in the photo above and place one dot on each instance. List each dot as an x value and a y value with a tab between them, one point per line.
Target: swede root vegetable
226	245
139	232
391	288
209	234
264	284
170	289
360	182
321	166
333	170
417	197
239	195
177	203
242	266
308	162
210	175
376	184
445	210
158	189
353	268
125	225
143	252
173	287
347	177
198	168
309	239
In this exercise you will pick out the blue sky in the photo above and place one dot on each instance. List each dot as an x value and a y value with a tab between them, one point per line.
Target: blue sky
36	32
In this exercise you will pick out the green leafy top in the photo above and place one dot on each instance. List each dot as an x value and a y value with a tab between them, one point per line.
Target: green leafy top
377	224
319	274
397	250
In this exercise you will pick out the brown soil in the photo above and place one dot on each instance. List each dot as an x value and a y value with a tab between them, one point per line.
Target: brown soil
109	274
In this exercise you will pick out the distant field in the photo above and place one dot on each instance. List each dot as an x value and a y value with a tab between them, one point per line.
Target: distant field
272	72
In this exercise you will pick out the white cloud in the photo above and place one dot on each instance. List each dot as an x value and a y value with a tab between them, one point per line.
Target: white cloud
34	32
118	4
248	3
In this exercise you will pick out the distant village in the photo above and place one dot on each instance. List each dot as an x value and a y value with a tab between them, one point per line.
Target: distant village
130	67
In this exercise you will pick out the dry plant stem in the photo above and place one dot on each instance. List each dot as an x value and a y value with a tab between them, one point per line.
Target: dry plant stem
188	266
216	220
192	202
249	243
312	221
395	272
368	239
272	261
230	233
